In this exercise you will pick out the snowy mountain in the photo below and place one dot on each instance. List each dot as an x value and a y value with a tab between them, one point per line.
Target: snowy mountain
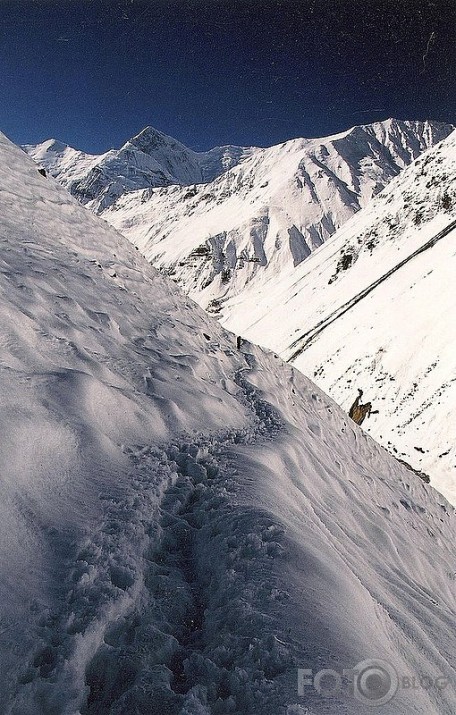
248	218
147	160
374	308
227	221
183	525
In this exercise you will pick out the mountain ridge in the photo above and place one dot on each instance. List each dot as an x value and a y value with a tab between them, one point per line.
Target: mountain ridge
148	159
269	211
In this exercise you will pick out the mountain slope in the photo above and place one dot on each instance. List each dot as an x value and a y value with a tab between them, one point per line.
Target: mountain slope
182	525
374	308
268	213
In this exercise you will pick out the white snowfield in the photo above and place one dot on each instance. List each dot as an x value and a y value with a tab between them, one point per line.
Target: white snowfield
374	308
183	525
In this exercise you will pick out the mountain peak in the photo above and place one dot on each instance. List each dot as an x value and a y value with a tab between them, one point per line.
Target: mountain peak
150	139
55	145
49	146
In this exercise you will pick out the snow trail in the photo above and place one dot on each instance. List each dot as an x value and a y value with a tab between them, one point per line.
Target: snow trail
154	599
171	607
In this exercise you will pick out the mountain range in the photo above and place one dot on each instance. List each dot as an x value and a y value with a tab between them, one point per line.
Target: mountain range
147	160
224	221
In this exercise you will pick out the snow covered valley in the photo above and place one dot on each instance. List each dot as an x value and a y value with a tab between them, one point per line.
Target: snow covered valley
184	526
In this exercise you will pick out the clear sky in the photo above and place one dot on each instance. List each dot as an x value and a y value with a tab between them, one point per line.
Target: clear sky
253	72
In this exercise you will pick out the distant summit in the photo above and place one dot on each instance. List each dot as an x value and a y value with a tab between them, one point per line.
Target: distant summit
149	139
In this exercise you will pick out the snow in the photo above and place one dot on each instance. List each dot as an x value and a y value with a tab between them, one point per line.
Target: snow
248	247
183	525
385	322
267	213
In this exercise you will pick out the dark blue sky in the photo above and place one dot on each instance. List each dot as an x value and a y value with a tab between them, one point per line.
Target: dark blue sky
94	72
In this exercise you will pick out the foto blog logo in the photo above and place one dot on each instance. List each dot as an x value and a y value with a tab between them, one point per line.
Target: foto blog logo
372	682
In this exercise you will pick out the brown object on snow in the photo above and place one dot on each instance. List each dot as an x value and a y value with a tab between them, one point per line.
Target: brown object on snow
358	412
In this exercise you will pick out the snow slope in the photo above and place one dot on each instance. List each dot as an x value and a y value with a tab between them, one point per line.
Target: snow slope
374	308
182	525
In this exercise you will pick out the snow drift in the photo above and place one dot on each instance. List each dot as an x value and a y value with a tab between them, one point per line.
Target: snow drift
183	526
